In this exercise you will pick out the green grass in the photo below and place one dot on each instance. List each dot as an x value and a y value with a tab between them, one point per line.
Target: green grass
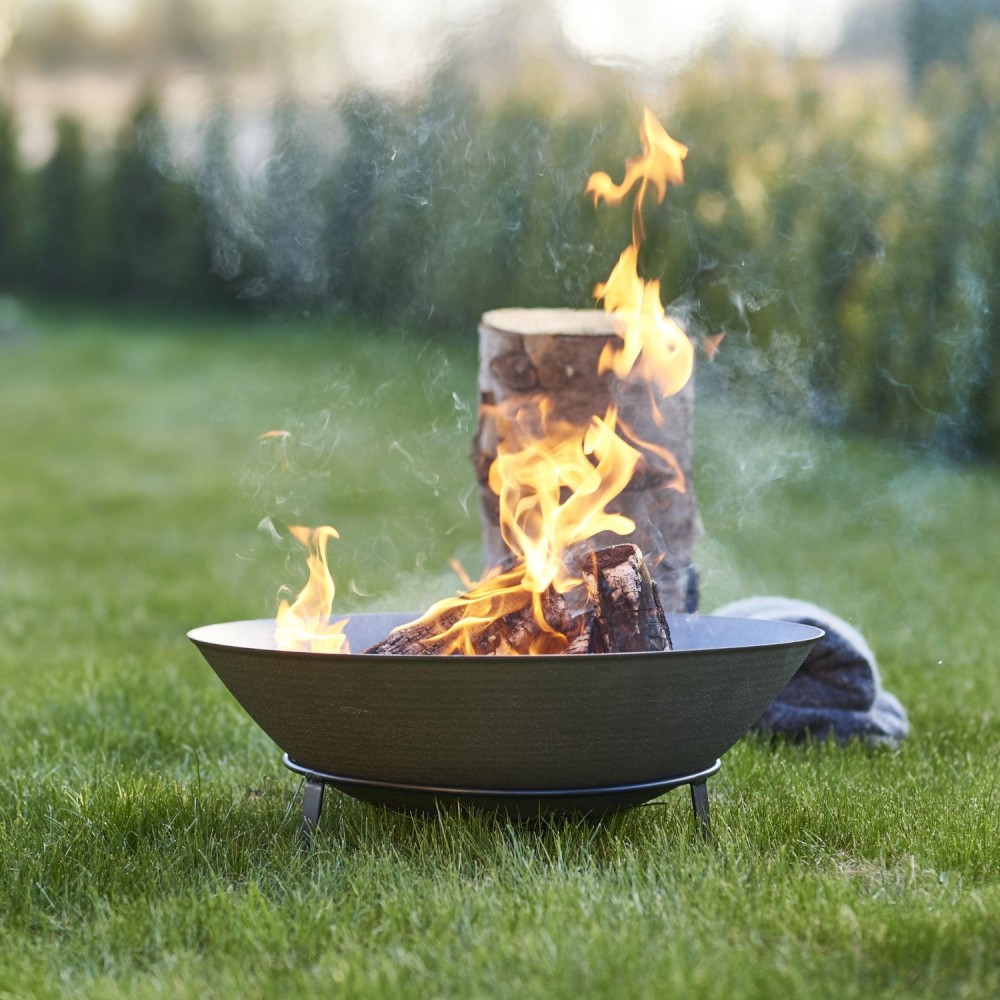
148	829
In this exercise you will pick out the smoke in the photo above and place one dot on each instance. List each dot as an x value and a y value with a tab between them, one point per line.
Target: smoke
424	206
420	208
373	441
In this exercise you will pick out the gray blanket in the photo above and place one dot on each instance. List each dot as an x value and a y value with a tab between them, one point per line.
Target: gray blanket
837	692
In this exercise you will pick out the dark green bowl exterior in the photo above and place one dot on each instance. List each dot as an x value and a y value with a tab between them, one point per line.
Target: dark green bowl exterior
541	722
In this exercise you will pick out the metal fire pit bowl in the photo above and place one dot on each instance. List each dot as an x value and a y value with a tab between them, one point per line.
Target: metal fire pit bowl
525	735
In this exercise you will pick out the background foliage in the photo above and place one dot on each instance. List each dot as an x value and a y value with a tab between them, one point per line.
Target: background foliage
848	236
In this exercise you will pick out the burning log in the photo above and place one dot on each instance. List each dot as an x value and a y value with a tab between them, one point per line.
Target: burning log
527	354
628	616
486	633
625	616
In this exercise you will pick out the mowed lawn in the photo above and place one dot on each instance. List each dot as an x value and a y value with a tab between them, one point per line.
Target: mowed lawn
148	831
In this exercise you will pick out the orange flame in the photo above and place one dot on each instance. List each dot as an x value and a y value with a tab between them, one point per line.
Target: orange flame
555	479
457	622
712	343
305	623
654	348
660	164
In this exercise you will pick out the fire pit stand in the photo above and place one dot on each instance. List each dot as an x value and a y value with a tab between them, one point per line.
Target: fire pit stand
521	804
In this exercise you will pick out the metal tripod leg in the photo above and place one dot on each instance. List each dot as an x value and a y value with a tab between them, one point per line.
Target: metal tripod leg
699	802
312	806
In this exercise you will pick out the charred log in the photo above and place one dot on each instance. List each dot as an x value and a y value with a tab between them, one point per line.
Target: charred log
583	641
628	616
515	632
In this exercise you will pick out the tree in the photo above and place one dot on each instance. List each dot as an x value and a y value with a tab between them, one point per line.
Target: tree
11	215
137	210
60	250
353	194
224	203
156	239
295	264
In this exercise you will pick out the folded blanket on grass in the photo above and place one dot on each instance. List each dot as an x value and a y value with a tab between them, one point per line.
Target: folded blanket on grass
837	692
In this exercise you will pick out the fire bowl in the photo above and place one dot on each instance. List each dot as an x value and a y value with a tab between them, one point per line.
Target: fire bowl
533	734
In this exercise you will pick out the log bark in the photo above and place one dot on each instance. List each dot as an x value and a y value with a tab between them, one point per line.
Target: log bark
628	616
512	632
525	353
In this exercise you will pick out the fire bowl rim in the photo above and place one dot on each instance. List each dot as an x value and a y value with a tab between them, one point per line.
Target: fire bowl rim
800	633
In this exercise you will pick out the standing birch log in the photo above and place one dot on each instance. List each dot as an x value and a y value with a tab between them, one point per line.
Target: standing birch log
527	353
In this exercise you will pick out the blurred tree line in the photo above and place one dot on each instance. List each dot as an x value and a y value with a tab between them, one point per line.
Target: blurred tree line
852	256
129	229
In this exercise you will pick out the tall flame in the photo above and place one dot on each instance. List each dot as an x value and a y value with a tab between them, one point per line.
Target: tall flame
654	348
554	479
305	623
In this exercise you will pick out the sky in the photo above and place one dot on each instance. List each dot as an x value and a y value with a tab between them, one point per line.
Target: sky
387	36
393	44
651	30
648	35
